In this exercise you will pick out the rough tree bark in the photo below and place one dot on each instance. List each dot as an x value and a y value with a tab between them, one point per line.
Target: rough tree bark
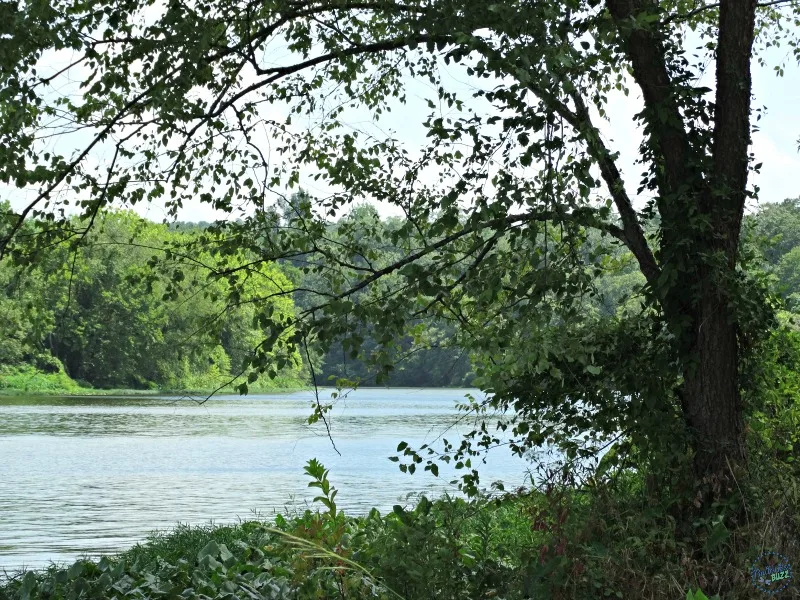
712	400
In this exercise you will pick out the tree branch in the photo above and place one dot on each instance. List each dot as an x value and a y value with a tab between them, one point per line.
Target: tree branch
700	9
646	52
732	114
583	216
631	233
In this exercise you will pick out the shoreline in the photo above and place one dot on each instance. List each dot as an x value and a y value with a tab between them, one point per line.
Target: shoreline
89	392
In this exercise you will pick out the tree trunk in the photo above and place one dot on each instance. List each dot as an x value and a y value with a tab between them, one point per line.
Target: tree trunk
712	401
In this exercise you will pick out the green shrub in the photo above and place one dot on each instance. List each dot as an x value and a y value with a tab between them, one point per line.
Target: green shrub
29	379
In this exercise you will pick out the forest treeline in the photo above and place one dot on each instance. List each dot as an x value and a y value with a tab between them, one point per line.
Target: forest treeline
97	314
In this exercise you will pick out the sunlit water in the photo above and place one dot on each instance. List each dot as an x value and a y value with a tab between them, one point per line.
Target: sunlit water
91	475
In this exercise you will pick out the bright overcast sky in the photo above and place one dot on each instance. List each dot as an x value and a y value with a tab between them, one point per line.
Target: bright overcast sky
774	144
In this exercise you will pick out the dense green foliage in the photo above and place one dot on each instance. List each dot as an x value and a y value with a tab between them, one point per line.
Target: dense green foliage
100	311
776	229
120	331
426	355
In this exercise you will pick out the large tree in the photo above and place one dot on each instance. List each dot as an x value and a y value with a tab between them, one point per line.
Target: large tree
176	101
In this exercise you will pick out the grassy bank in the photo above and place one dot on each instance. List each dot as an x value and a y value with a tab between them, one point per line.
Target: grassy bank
555	543
16	381
29	380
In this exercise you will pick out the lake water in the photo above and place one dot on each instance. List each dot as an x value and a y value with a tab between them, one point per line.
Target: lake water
90	475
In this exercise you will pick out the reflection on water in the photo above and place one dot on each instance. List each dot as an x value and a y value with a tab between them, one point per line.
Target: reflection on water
96	474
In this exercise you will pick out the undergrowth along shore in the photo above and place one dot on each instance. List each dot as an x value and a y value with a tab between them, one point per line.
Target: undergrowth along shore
558	542
29	381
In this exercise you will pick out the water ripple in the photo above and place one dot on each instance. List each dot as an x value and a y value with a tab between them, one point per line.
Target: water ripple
85	476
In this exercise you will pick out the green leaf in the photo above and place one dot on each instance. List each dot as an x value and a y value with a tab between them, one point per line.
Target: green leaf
76	570
211	549
718	535
225	555
28	585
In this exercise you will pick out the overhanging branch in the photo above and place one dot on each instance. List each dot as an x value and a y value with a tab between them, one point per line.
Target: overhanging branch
676	18
631	234
583	216
647	54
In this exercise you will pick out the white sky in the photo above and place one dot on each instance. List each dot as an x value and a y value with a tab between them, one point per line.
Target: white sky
774	144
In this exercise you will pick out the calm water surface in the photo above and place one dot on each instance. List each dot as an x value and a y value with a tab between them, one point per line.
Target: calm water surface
91	475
